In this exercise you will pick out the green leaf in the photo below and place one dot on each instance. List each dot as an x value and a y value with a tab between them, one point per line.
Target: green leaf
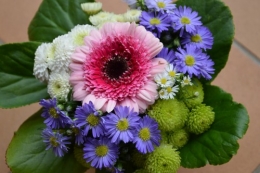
218	144
218	18
56	17
18	86
26	152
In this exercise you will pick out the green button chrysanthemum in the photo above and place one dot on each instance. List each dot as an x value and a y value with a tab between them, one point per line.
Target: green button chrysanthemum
170	114
78	153
164	159
192	95
200	119
179	138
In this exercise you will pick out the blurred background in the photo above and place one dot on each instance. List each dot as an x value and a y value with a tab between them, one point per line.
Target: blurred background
240	77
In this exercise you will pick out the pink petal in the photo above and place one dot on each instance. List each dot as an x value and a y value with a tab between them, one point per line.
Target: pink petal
110	105
79	93
158	65
89	98
100	103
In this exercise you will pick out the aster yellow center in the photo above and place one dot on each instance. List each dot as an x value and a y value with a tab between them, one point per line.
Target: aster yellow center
155	21
189	60
53	113
54	142
163	81
185	20
196	38
122	125
92	120
161	4
169	89
172	73
145	134
101	150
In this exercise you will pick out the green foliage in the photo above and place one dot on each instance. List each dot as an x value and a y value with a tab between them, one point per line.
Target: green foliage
18	86
56	17
218	18
218	144
26	152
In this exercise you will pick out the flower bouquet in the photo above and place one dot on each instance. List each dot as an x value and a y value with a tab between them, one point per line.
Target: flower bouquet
122	92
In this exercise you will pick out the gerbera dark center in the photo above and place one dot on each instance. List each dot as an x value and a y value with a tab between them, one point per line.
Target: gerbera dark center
53	113
115	67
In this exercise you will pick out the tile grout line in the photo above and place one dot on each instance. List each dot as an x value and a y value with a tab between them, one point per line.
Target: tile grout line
246	51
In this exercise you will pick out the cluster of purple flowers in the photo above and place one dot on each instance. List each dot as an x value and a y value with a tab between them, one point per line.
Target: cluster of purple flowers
181	30
100	135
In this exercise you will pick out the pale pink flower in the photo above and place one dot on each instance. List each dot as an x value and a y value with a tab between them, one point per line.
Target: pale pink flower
116	66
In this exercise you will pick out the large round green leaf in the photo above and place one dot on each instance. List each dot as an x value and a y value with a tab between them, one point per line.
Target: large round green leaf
26	152
56	17
218	144
18	86
218	18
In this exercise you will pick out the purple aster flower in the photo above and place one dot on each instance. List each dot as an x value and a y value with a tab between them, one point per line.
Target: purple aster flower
189	60
201	38
120	125
79	134
207	68
167	54
161	5
101	153
56	141
185	19
54	117
147	135
155	22
88	118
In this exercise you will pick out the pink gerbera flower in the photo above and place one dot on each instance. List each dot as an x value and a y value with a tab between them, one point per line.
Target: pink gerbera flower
116	66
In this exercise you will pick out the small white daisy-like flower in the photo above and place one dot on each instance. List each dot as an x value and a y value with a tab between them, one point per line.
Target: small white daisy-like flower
171	91
102	17
186	81
163	80
172	71
59	86
91	7
40	69
132	15
163	94
62	48
79	32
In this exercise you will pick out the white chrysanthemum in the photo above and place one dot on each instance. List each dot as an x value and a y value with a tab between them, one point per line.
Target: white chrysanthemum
186	81
163	80
40	69
62	49
172	91
132	15
91	7
118	18
163	94
79	32
59	86
101	17
172	71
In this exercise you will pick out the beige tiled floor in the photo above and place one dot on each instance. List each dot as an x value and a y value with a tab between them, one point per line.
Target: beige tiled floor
240	76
